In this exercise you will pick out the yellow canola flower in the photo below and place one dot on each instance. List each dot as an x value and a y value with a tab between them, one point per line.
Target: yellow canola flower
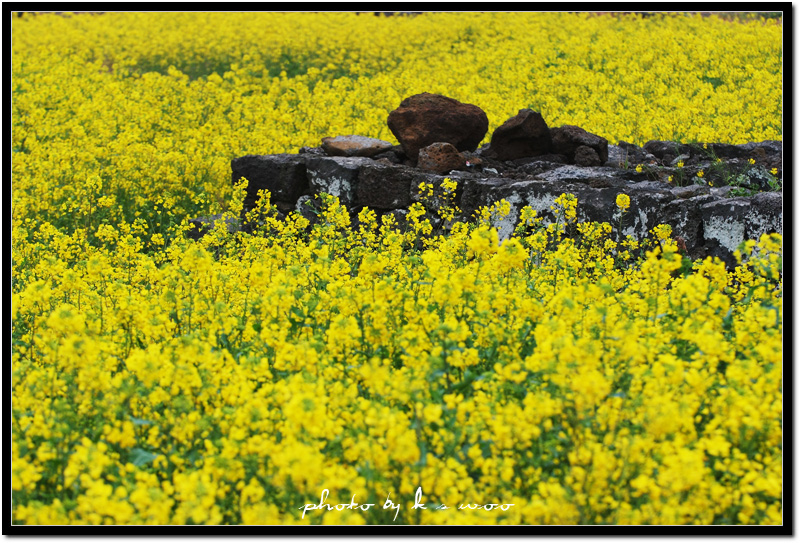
591	379
623	202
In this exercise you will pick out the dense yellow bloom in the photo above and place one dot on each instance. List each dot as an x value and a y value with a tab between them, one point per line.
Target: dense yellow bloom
585	379
566	205
296	381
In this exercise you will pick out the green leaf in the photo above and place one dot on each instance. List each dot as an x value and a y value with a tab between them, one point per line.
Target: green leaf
139	422
423	455
140	457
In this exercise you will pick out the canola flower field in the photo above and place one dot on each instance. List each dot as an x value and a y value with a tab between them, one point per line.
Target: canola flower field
583	378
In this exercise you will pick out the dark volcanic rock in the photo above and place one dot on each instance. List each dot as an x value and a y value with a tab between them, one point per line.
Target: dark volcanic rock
395	155
627	155
385	187
594	204
724	150
768	154
440	158
538	167
475	193
704	217
567	139
523	135
426	118
724	226
392	187
766	215
690	191
284	176
549	158
684	216
660	149
586	156
337	176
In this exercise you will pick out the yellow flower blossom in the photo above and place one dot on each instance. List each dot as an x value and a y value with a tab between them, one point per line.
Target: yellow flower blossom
526	358
623	202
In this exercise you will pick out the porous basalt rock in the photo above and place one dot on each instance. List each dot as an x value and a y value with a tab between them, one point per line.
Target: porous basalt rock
284	176
386	187
423	119
586	156
524	135
568	138
662	149
440	157
395	155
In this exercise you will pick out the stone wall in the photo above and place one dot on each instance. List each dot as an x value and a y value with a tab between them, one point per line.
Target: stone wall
709	222
713	195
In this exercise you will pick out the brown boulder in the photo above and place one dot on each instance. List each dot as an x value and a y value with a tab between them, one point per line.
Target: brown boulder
586	156
568	138
423	119
354	146
440	157
523	135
